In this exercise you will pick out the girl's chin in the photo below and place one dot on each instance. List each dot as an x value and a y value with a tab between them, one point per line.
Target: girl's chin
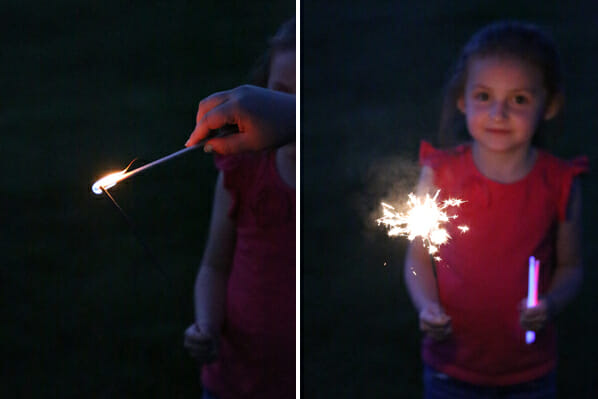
497	145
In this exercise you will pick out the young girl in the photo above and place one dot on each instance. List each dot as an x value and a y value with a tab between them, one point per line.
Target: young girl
520	202
244	330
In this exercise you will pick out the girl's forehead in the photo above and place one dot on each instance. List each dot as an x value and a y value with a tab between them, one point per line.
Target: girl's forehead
283	63
282	71
508	70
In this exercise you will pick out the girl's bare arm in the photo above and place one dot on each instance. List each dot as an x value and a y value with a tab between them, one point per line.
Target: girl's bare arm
212	277
420	279
569	269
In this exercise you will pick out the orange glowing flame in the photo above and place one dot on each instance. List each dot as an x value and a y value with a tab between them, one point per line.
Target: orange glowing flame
109	180
424	219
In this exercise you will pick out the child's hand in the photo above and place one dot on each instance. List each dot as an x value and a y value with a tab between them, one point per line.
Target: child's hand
265	119
434	322
200	345
533	319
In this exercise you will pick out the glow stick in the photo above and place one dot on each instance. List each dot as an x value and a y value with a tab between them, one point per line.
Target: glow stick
532	292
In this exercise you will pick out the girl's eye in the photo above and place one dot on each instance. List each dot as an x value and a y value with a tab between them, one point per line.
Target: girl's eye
481	96
520	100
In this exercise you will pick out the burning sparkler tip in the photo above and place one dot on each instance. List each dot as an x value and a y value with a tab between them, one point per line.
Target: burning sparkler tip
108	181
423	219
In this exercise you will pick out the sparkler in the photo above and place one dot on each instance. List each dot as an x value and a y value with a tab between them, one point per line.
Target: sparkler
532	292
424	218
112	179
102	185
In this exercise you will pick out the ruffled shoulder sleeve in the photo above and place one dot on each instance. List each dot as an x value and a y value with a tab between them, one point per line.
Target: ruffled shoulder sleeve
428	155
435	157
571	169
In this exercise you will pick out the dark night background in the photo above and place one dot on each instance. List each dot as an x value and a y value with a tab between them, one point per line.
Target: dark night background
371	82
86	88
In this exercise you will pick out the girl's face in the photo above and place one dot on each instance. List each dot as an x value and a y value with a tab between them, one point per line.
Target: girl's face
282	72
503	102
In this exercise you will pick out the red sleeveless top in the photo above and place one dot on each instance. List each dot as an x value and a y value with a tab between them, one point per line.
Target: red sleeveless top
483	273
257	346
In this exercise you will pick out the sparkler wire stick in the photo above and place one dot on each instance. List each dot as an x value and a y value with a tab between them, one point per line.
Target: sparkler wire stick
424	218
223	131
435	274
129	221
112	179
158	161
532	292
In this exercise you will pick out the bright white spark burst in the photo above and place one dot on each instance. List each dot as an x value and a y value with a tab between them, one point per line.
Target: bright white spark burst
423	219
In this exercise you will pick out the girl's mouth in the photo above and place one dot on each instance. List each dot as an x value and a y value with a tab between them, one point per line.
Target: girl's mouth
497	131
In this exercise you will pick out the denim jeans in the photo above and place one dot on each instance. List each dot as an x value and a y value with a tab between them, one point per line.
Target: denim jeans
441	386
207	395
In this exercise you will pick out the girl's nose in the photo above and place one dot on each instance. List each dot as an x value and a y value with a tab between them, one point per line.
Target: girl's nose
499	110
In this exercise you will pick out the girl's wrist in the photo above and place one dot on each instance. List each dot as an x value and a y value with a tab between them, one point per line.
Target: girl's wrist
206	327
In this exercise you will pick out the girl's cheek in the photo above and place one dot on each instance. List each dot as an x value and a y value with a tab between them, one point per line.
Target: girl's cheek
530	113
479	108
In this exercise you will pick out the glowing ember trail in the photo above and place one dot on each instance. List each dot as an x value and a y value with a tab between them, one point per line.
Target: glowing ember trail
424	219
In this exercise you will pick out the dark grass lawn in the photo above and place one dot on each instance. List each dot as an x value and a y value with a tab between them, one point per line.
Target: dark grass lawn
371	80
86	88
